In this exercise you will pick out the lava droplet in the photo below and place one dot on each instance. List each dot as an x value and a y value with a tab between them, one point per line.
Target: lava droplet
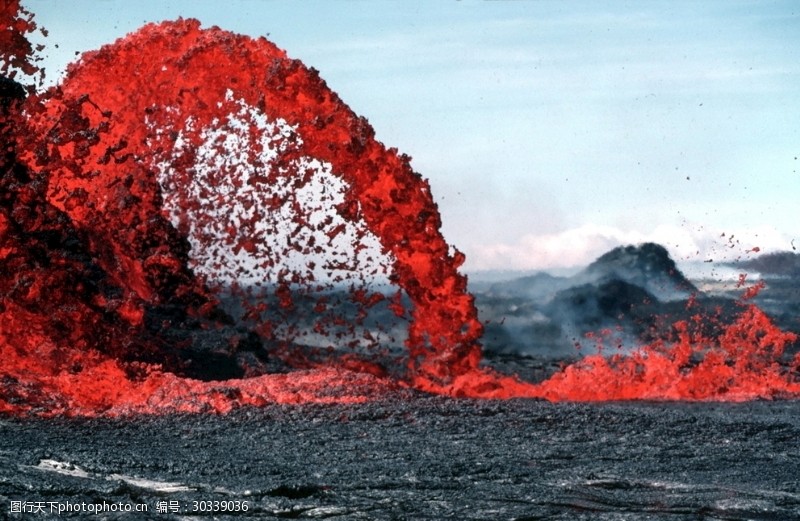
178	168
193	221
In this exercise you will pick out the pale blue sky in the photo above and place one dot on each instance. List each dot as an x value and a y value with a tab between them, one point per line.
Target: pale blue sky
549	131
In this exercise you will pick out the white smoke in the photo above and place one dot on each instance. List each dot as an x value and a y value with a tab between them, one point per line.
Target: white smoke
578	247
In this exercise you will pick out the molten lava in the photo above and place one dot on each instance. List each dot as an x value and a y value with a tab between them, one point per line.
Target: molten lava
185	188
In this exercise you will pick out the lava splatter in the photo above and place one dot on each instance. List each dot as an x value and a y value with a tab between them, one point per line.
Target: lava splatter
193	221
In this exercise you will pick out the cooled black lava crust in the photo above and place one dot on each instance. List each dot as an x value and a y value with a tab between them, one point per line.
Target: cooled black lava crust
419	457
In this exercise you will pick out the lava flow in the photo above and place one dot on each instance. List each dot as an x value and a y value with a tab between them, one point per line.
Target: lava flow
186	183
185	194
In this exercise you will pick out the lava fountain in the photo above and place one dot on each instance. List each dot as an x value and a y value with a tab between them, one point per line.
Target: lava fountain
173	206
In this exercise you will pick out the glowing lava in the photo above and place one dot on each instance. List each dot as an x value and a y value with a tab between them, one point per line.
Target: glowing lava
138	175
181	169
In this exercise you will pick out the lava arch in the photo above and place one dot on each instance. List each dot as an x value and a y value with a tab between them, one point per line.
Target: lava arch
116	118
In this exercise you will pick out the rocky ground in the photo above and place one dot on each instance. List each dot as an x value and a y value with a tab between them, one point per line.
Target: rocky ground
415	457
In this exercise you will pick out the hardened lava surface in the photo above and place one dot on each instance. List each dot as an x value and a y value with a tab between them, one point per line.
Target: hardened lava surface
411	456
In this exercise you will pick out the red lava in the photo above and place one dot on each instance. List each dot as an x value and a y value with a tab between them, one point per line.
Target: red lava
164	166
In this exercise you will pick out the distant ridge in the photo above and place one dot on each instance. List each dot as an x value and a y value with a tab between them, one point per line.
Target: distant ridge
781	264
627	291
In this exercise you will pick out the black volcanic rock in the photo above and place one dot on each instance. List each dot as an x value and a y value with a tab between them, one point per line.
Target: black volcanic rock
413	456
609	300
647	265
636	291
626	289
780	264
610	304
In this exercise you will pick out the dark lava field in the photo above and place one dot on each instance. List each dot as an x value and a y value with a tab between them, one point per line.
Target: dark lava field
412	456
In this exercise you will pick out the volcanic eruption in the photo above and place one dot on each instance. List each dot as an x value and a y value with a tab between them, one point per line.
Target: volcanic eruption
191	220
